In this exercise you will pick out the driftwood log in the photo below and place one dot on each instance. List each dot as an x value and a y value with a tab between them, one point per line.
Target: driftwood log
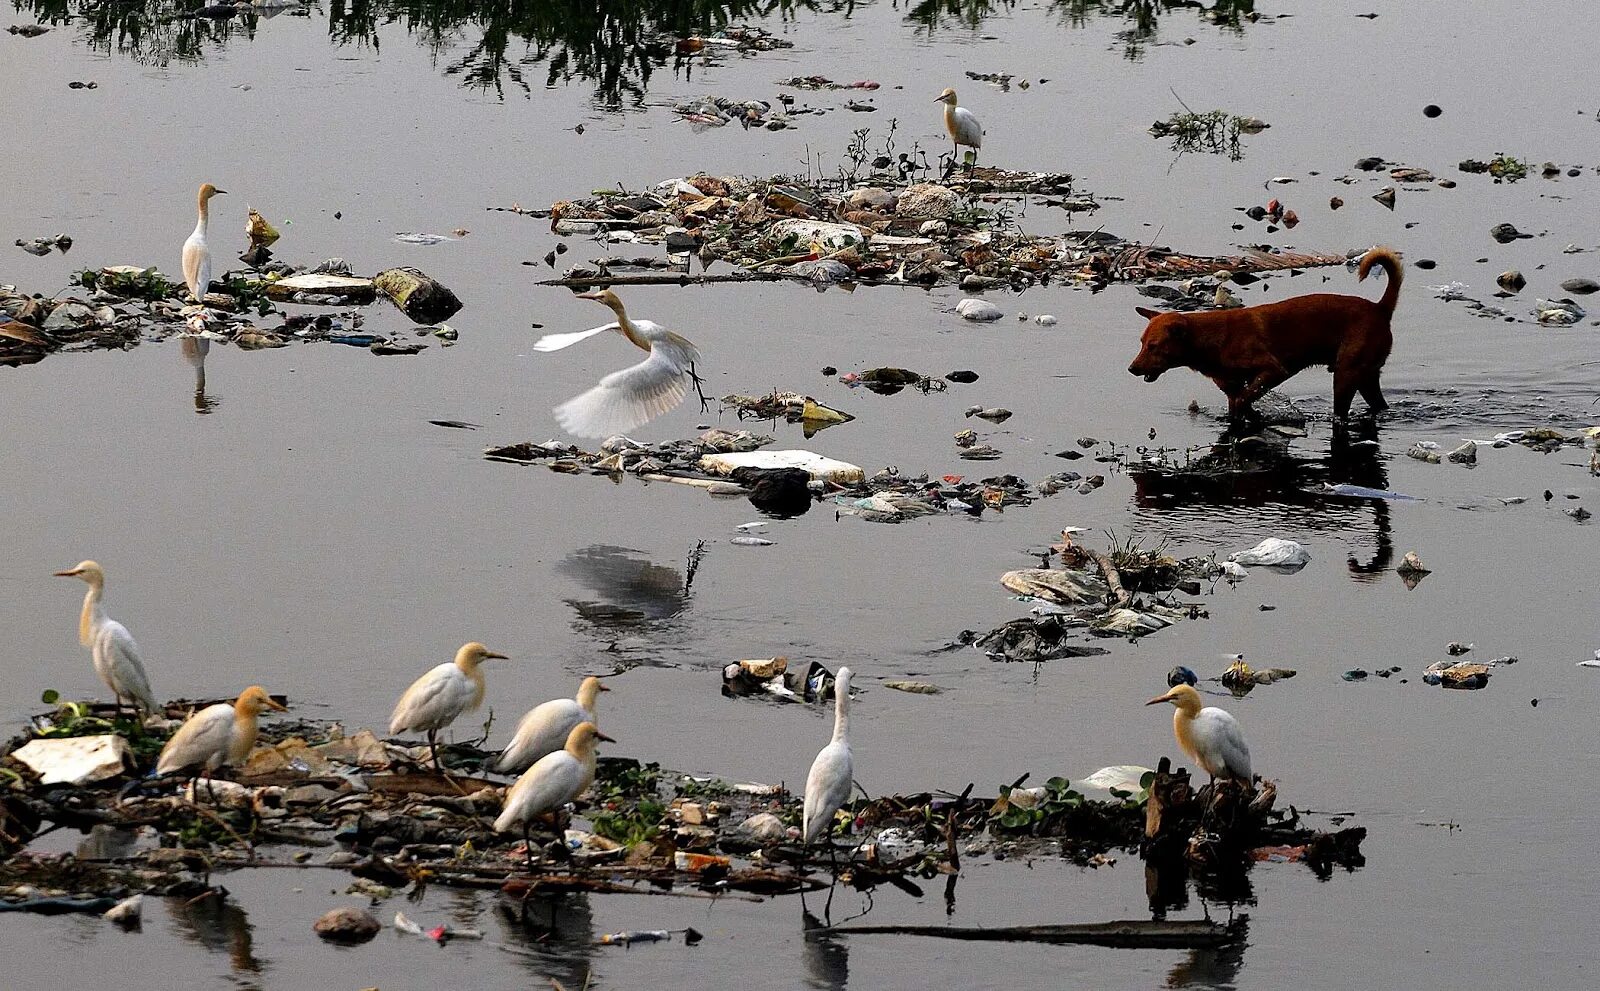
1146	934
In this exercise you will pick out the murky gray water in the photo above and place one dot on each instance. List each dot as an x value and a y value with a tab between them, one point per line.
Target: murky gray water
314	533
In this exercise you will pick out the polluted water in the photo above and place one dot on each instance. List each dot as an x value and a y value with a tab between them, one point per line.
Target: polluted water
324	449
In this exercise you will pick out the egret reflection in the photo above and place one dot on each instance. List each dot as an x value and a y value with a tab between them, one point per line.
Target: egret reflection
195	351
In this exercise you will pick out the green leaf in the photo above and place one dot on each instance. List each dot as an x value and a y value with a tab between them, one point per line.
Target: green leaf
1058	784
1147	779
50	696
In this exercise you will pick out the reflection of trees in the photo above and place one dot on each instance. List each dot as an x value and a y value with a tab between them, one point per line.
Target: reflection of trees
1143	16
154	32
615	45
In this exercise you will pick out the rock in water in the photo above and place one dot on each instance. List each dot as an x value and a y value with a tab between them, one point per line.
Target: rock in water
980	310
1511	281
1580	287
347	925
419	297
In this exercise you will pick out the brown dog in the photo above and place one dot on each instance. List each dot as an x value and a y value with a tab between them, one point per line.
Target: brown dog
1248	351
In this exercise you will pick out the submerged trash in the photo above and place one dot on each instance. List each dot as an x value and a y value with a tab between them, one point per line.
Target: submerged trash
1273	552
1457	674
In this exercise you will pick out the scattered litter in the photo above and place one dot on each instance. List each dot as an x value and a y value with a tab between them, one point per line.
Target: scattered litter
127	912
750	542
1458	674
77	760
1273	552
913	687
979	310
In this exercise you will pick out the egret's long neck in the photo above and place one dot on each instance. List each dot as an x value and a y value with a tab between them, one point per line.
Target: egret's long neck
841	715
469	667
91	611
586	759
588	695
950	117
628	329
205	214
245	728
1183	729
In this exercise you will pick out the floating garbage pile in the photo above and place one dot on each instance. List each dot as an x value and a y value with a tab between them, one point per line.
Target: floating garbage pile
121	306
312	793
783	483
882	230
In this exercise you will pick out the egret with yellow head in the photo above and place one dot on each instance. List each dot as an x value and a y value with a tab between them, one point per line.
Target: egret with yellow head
196	253
111	647
1209	735
961	125
434	700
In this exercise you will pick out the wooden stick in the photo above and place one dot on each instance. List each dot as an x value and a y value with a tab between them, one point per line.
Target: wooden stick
1127	934
1108	571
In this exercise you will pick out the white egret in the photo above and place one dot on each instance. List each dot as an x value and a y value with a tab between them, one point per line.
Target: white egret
217	735
196	254
545	728
1209	735
111	646
434	700
554	780
625	399
832	773
963	128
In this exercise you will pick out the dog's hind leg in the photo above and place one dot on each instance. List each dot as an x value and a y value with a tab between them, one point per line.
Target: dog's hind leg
1373	394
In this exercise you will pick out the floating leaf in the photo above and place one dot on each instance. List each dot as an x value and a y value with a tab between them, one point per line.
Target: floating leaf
50	696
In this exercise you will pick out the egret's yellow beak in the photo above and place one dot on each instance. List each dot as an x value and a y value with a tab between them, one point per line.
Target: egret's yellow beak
488	654
1160	698
75	572
273	704
601	736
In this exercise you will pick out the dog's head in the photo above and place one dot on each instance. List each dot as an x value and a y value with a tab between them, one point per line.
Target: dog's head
1163	345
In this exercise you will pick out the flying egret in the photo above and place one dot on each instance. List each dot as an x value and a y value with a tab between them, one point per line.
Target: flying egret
963	128
554	780
217	735
111	647
545	728
1209	735
625	399
196	255
828	784
434	700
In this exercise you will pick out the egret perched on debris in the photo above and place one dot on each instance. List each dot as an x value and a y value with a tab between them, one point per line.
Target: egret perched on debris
217	735
1209	735
828	784
625	399
554	780
196	254
963	128
434	700
111	647
545	728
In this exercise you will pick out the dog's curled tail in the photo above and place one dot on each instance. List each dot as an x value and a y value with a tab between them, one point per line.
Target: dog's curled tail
1390	262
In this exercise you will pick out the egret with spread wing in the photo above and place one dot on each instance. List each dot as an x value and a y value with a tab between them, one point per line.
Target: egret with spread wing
625	399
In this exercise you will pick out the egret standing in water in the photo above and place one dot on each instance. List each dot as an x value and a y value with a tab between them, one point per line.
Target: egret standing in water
196	253
216	736
111	647
545	728
434	700
625	399
962	127
832	773
1210	736
554	780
